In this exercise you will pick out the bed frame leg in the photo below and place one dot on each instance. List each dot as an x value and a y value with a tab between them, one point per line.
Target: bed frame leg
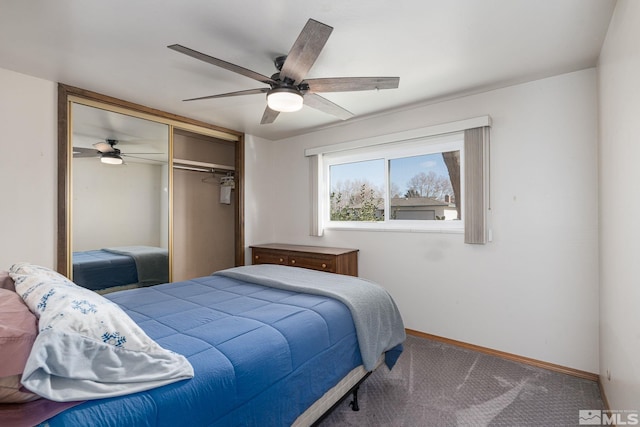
354	402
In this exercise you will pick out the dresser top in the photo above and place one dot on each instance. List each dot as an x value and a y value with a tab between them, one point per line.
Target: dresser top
302	248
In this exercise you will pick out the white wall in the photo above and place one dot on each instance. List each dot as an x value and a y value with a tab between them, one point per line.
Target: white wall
117	205
533	291
260	187
619	90
28	169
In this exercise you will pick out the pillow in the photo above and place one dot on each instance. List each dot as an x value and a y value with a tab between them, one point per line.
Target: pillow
87	347
6	282
11	391
18	330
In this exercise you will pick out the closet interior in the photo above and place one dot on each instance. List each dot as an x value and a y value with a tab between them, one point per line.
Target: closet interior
204	208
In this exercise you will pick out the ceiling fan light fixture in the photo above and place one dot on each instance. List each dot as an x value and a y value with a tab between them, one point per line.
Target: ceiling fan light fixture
284	99
111	159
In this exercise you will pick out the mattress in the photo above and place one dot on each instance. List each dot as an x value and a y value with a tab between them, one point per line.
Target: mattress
261	355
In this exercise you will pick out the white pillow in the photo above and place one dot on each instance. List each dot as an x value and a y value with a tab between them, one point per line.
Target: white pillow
87	347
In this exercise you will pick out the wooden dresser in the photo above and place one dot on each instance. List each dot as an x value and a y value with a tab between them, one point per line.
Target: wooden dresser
333	260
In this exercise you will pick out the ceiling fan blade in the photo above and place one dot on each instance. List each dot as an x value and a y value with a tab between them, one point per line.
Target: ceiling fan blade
80	152
103	147
223	64
269	116
323	104
305	50
238	93
348	84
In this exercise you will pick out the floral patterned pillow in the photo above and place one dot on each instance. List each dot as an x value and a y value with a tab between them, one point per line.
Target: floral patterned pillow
57	301
87	346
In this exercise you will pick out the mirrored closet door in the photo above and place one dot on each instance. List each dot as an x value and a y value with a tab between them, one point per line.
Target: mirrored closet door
144	197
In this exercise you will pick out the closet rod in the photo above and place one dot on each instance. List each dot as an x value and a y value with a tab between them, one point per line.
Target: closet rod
202	165
198	169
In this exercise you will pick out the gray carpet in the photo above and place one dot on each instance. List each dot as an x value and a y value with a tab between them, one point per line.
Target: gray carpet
437	384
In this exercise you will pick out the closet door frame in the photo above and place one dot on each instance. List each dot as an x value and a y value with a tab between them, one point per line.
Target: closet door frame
69	94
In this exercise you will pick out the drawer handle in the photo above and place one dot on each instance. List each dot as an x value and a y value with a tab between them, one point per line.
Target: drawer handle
257	257
324	265
281	260
293	261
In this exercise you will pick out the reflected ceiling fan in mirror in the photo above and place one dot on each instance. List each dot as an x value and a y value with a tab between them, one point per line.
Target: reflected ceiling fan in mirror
107	152
288	89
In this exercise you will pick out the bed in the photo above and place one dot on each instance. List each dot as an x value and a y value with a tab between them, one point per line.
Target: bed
120	266
268	344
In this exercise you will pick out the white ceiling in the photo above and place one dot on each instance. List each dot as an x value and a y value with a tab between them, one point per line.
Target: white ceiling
140	141
439	49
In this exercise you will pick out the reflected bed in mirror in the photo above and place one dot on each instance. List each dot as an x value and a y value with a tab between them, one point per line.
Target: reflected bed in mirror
122	267
120	203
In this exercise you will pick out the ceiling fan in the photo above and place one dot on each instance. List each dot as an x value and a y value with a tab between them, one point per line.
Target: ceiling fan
106	151
288	89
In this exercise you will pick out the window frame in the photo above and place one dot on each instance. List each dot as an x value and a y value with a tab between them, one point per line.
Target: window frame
433	144
477	204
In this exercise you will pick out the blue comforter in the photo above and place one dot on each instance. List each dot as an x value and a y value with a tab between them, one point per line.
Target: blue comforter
261	355
377	320
120	266
99	269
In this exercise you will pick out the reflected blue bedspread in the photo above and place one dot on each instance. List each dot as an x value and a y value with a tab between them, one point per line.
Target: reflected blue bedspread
99	269
261	355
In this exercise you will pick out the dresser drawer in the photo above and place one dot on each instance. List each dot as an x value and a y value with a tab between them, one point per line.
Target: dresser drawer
315	263
269	257
332	260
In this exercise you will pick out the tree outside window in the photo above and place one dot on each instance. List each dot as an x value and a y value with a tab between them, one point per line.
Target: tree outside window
424	187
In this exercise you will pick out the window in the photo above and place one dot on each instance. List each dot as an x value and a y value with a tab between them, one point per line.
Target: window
425	187
356	191
408	185
428	179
